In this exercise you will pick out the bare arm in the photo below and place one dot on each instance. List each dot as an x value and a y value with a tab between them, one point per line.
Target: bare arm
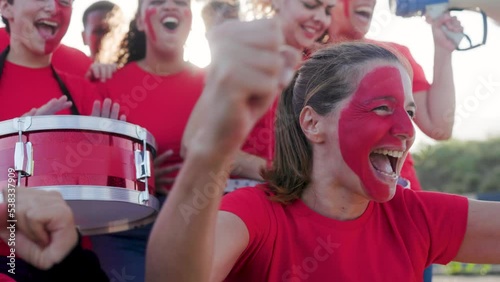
482	238
183	244
436	107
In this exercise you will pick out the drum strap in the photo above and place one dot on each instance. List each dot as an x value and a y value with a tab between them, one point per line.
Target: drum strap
62	86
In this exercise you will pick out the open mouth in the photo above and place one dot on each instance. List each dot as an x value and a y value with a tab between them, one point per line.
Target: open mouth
386	161
364	12
170	22
46	28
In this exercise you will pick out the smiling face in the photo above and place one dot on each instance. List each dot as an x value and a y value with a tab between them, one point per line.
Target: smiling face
375	130
166	23
38	25
351	19
304	21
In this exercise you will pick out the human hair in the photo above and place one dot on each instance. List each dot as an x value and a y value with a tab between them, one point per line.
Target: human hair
133	45
5	21
328	77
104	6
111	42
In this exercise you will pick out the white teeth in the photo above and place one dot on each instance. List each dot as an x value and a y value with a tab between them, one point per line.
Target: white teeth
395	154
49	23
310	29
170	20
392	174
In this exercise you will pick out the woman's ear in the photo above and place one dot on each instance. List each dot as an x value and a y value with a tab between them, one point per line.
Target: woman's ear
311	124
6	9
139	22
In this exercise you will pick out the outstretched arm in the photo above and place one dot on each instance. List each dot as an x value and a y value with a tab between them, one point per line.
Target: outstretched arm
243	53
436	107
482	236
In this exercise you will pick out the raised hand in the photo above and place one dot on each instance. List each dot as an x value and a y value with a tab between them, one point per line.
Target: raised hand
45	228
107	110
52	107
251	65
102	72
451	24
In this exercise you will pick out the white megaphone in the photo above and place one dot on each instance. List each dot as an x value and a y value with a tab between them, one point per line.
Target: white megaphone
434	8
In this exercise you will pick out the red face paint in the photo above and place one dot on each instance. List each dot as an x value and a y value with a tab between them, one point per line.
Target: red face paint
149	24
375	118
62	16
346	8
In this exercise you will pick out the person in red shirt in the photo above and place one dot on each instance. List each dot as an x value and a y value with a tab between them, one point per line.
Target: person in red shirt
65	59
157	90
303	23
351	20
29	83
332	209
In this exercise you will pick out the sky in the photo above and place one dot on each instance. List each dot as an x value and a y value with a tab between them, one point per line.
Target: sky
476	72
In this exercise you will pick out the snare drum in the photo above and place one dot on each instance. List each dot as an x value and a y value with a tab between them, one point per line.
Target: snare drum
103	168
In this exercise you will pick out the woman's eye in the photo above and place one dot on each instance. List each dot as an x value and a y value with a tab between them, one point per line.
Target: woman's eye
309	6
328	10
157	2
411	113
384	109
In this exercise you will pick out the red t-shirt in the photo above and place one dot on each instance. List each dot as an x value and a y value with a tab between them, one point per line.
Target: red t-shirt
65	58
391	241
161	104
23	88
260	141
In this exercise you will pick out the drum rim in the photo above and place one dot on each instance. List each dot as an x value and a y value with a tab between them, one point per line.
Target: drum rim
105	193
88	123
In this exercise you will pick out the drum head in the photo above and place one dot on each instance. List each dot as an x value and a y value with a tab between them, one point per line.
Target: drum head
102	209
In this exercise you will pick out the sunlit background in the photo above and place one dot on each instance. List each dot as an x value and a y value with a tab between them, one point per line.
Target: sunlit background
476	72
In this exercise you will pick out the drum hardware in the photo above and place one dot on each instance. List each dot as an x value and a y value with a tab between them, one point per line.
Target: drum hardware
142	167
101	167
23	151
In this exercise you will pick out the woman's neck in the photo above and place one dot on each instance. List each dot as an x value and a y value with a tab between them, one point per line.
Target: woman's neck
20	55
328	196
333	201
162	64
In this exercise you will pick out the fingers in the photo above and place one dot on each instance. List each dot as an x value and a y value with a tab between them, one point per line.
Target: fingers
52	107
163	157
45	229
102	72
107	109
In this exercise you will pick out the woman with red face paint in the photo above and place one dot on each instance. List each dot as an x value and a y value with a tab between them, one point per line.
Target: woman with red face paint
303	22
36	29
332	209
351	20
157	90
